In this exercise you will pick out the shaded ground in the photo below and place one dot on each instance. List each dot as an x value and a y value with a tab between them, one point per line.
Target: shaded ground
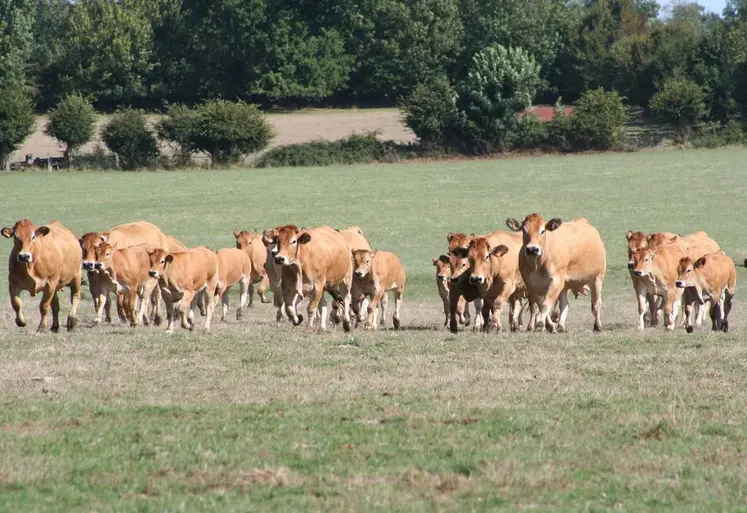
290	128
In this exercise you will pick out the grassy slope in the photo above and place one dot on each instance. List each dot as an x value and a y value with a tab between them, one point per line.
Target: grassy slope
256	415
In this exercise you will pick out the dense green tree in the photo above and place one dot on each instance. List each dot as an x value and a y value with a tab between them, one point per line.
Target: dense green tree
680	102
16	40
17	120
71	122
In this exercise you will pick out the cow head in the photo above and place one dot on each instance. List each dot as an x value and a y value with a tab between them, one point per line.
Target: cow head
159	262
642	262
104	256
458	248
535	230
657	240
362	259
270	240
443	269
25	236
289	240
244	239
88	244
636	240
687	273
479	255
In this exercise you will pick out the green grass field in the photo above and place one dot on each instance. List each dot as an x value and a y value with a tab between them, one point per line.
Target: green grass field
256	416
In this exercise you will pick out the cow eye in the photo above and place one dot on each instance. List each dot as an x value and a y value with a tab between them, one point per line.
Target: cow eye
293	242
689	270
33	236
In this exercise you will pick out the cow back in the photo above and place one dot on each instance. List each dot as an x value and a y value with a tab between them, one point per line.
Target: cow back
326	254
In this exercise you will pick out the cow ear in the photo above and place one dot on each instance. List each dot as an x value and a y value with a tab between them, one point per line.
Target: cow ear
113	246
373	253
449	236
553	224
444	259
499	251
7	232
649	237
169	258
304	238
104	237
80	241
513	224
460	252
434	260
629	234
699	263
236	233
42	230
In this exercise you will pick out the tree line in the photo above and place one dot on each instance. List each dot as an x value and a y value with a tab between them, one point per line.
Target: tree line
143	52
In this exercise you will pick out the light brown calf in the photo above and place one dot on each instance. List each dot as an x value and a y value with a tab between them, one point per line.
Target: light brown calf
656	273
374	274
44	259
125	272
356	240
494	270
321	259
234	266
556	257
713	278
181	276
443	281
251	243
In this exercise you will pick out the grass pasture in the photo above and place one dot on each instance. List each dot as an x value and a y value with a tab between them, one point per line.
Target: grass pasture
259	417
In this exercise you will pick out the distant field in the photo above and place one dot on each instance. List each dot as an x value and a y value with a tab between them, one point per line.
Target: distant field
256	416
294	127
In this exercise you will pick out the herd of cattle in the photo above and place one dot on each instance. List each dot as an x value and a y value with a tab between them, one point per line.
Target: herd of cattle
533	265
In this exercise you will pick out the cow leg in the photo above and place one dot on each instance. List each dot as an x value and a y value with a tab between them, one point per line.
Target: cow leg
155	299
245	296
72	318
289	302
454	299
378	292
397	319
463	311
323	312
596	303
14	290
728	296
700	313
641	296
101	302
209	292
55	304
563	310
262	289
316	296
225	304
445	301
184	307
168	300
670	306
487	306
383	307
514	313
121	313
48	297
548	303
477	325
652	301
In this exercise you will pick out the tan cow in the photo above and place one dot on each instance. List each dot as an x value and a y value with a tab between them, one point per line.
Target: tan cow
181	276
125	272
274	271
356	240
376	272
656	273
443	281
713	278
251	243
101	302
133	234
234	266
321	259
44	259
638	240
556	257
459	289
494	270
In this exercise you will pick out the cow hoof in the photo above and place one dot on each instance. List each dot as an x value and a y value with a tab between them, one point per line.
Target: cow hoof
20	323
55	328
346	326
265	300
239	315
71	323
298	320
395	323
689	329
597	328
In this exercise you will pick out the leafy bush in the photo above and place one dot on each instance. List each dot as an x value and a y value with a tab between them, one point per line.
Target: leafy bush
560	129
97	160
180	127
500	83
17	121
127	134
680	102
227	130
71	122
531	133
713	135
598	120
430	111
355	149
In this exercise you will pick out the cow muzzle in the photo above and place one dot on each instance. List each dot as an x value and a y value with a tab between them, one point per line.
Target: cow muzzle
358	274
280	260
98	266
87	266
153	274
680	284
638	273
24	257
533	250
441	277
476	280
